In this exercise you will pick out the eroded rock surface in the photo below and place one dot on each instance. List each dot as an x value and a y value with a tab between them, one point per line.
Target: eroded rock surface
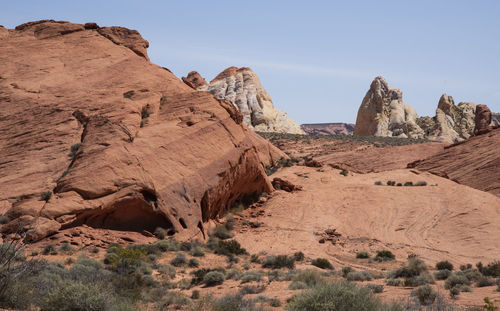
243	89
328	128
115	141
383	113
482	120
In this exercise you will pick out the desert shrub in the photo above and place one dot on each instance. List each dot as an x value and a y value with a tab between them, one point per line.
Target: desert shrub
344	172
255	258
442	274
413	268
160	233
394	282
297	285
186	246
425	294
274	302
399	184
465	267
492	269
336	296
454	292
298	256
489	306
222	233
322	263
421	183
233	274
456	279
168	245
125	260
49	249
74	149
167	270
193	263
470	274
144	113
195	294
65	247
94	250
444	265
384	255
391	183
346	271
252	289
484	281
359	276
45	196
179	260
421	279
378	183
233	303
76	296
231	247
174	301
197	251
213	278
362	255
278	262
4	220
276	275
308	277
376	289
250	276
408	183
69	261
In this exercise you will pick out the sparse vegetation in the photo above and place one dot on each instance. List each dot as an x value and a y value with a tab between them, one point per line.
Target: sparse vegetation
444	265
425	294
344	172
222	233
45	196
362	255
384	255
322	263
359	276
160	233
179	260
378	183
213	278
278	262
298	256
74	150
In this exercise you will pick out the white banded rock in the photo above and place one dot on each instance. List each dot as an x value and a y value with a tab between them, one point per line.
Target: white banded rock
243	89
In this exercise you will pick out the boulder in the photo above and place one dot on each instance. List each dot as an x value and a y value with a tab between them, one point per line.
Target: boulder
383	113
243	89
120	142
285	185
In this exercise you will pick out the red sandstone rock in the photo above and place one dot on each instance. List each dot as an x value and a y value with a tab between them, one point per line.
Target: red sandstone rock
287	186
313	163
152	151
482	120
194	80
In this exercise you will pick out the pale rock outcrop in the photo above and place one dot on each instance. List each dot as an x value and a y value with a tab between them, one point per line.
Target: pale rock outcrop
328	128
119	142
243	89
383	113
452	123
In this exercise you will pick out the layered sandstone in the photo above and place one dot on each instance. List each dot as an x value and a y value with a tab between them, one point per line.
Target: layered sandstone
472	162
243	89
383	113
113	140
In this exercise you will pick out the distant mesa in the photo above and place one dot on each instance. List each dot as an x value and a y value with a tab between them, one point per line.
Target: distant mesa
243	89
328	128
383	113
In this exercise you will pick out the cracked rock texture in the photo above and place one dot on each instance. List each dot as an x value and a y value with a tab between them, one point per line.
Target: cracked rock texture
243	89
117	142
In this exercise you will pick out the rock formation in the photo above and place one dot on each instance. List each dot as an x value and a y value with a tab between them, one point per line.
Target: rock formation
451	123
243	89
93	133
328	128
383	113
472	162
482	120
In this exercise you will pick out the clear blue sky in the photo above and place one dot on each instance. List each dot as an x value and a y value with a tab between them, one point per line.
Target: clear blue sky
315	58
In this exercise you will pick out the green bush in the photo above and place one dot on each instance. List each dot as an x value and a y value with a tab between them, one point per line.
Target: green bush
308	277
167	270
179	260
278	262
442	274
160	233
65	247
231	247
193	263
391	183
197	251
213	278
484	281
233	303
322	263
394	282
421	183
174	301
359	276
75	296
125	261
346	271
454	292
74	150
298	256
408	183
342	296
362	255
222	233
444	265
425	294
413	268
384	255
492	269
455	280
344	172
45	196
168	245
250	276
421	279
376	289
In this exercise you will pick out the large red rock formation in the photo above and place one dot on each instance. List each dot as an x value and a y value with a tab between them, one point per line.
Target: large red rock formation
482	120
472	162
115	141
194	80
